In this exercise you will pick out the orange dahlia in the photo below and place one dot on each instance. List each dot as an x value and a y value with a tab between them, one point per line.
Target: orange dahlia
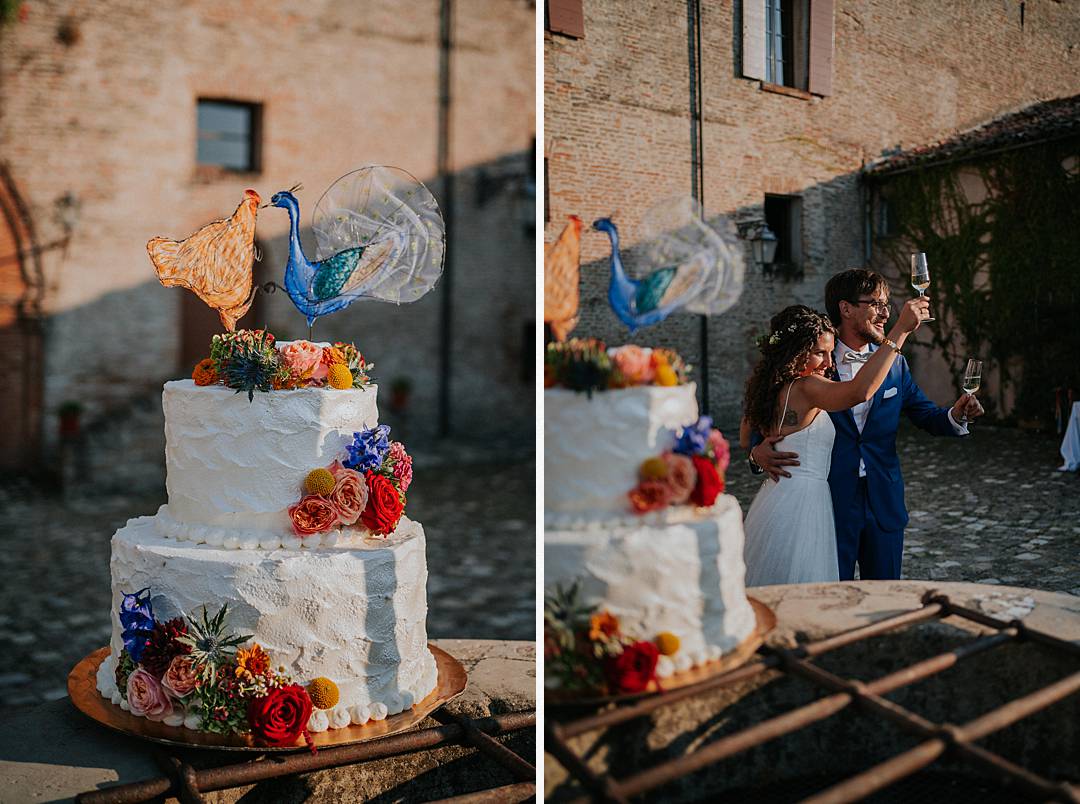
602	625
205	373
251	662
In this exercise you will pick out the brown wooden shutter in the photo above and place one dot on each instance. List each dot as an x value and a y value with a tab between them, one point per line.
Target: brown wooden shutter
821	46
753	39
566	17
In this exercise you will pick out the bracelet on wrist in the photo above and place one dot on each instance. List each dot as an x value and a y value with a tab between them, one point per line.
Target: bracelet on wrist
891	344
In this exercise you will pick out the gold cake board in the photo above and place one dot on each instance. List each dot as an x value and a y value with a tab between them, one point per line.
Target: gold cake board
82	687
764	622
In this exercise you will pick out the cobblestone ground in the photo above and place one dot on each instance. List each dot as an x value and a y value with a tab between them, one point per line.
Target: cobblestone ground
54	600
989	508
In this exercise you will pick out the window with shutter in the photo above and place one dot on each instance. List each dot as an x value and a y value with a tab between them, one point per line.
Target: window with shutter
565	17
789	43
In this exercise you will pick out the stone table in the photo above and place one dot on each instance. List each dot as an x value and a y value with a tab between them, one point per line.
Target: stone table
54	752
799	764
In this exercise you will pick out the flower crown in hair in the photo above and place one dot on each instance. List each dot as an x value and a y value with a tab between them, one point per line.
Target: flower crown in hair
773	338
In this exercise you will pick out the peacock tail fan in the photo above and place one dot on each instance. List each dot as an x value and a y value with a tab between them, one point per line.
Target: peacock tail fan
379	235
708	253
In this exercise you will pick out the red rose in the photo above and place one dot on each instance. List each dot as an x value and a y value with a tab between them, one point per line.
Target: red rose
649	495
280	717
709	483
313	514
384	505
633	669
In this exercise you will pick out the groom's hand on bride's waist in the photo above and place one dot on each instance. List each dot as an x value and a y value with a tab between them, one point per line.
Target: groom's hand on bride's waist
771	461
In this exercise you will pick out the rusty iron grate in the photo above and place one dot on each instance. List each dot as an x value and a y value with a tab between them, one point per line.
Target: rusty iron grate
934	740
187	783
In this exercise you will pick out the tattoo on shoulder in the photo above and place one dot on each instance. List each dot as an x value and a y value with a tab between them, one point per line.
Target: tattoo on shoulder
791	418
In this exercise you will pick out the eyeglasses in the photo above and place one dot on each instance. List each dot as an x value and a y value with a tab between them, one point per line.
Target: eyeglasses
878	307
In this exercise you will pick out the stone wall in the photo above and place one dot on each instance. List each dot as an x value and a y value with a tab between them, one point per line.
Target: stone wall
99	100
618	135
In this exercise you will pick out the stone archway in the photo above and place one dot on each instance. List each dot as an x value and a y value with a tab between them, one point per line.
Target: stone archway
21	342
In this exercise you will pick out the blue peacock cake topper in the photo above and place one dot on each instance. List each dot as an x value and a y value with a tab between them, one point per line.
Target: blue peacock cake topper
379	237
694	265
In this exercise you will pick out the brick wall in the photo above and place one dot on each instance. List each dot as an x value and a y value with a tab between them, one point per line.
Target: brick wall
109	115
618	133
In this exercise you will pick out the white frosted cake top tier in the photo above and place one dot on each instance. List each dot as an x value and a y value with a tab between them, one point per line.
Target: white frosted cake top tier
594	446
236	464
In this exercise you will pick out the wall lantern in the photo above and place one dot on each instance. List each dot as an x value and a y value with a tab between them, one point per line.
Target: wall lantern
762	240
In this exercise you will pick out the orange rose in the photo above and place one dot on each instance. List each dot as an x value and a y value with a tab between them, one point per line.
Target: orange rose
313	514
179	680
350	494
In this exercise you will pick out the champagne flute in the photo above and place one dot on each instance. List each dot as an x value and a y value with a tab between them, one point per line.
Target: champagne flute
920	275
972	379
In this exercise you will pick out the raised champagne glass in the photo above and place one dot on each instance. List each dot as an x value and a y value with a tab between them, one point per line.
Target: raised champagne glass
972	379
920	275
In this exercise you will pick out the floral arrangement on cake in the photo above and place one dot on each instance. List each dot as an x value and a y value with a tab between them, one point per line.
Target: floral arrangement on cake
586	364
586	651
250	360
691	472
195	672
368	487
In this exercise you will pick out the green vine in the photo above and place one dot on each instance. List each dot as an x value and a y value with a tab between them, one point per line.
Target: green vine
1005	270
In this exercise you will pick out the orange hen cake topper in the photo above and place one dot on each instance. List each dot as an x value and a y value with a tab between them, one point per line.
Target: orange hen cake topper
215	263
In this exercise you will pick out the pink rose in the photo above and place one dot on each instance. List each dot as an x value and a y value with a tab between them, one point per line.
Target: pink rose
402	465
681	477
350	494
634	363
313	514
179	679
146	697
304	358
721	449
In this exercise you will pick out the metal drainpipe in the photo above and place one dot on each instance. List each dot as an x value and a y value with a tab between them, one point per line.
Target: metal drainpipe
446	181
697	172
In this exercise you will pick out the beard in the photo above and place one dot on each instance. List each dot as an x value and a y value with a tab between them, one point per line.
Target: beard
874	333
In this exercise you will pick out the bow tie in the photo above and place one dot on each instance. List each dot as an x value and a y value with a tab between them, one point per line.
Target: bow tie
855	357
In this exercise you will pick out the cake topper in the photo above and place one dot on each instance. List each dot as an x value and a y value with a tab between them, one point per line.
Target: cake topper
694	264
562	262
214	263
379	236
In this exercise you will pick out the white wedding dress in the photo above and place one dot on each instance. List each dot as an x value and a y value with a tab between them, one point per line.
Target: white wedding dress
790	532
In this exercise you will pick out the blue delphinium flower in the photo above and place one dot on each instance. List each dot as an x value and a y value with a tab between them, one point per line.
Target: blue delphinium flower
368	449
694	440
137	618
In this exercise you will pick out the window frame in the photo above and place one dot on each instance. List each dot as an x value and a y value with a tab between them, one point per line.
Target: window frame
254	137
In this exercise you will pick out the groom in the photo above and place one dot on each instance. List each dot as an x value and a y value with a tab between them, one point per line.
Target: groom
867	489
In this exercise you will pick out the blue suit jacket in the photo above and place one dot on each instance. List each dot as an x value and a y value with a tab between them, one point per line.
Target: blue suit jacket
876	445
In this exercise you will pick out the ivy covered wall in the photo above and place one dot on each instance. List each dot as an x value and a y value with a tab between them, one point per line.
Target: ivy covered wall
1004	252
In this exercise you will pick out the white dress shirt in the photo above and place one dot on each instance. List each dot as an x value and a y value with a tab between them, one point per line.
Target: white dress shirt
847	371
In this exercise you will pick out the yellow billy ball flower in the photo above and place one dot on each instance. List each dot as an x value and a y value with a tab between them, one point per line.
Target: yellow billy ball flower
665	375
339	376
323	693
653	469
667	643
319	481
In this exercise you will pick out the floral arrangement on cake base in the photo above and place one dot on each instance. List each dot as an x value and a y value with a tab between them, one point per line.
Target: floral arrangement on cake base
250	360
585	650
586	364
197	673
368	487
691	472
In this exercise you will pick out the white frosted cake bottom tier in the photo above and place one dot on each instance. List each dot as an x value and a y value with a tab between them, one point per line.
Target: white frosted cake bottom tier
685	577
356	615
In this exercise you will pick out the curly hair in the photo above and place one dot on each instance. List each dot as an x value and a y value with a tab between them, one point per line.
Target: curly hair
784	353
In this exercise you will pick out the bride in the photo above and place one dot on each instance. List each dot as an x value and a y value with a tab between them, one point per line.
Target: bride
790	532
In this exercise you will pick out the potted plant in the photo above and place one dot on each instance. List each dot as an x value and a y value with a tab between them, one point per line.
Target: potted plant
400	389
69	413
